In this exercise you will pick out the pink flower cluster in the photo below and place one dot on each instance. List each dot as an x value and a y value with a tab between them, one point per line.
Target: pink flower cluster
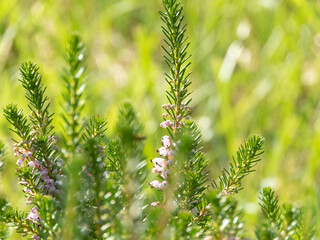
34	216
161	165
168	123
48	170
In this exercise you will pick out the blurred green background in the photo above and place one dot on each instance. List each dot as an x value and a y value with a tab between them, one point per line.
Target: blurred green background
255	71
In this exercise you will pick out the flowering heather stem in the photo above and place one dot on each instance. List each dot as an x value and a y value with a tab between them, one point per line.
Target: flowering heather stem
176	58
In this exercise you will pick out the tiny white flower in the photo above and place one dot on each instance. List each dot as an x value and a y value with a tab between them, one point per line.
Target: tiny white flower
166	142
159	161
154	204
155	184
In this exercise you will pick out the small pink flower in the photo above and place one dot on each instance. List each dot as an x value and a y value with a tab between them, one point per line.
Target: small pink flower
37	163
50	182
166	124
157	169
43	168
159	161
54	140
163	151
33	215
195	211
20	162
44	176
166	142
158	185
27	190
155	184
154	204
32	164
51	189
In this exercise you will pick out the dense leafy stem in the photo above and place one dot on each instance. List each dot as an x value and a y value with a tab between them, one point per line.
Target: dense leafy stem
177	59
247	156
73	95
226	218
282	222
35	93
269	205
94	184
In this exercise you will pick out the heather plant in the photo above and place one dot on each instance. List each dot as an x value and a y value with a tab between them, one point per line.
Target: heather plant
88	184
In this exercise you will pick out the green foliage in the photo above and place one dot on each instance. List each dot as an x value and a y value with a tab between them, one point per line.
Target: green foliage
248	155
92	203
269	206
50	213
2	153
191	166
226	218
35	93
73	95
177	59
134	168
40	170
16	218
283	222
128	127
20	123
4	231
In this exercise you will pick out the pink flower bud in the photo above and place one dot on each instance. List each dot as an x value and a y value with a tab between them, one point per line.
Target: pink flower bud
164	124
20	162
23	183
